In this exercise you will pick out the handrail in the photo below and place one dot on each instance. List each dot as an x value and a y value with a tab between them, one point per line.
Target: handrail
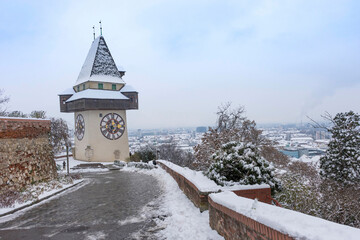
274	201
62	156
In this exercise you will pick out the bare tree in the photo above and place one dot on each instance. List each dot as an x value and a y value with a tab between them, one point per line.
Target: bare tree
59	135
171	152
3	100
19	114
231	125
271	154
38	114
328	119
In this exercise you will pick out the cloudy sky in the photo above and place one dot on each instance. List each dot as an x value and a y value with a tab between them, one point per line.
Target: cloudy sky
282	60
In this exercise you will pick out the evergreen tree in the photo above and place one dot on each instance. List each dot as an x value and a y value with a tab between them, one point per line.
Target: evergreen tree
238	162
342	159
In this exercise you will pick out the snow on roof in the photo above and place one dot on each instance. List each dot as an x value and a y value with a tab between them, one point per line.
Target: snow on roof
99	64
97	94
128	88
68	91
121	68
296	224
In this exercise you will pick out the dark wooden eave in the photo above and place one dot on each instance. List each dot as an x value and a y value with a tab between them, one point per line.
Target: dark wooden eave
99	104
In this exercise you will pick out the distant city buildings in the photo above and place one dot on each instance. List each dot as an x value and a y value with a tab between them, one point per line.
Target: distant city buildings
201	129
294	141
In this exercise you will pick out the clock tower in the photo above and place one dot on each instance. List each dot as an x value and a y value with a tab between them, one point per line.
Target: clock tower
99	100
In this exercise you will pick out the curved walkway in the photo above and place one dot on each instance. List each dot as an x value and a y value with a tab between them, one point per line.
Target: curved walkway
98	210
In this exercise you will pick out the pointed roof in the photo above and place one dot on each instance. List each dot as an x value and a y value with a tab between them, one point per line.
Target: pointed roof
99	65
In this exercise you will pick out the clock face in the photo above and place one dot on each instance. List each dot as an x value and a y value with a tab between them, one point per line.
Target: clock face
112	126
80	127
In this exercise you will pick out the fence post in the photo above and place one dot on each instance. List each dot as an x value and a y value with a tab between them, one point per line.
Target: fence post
67	159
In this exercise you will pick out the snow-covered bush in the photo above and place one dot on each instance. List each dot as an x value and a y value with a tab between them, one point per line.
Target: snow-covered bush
238	162
340	203
341	162
231	125
299	193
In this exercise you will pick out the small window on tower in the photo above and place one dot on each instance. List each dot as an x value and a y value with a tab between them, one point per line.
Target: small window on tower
101	86
83	86
78	88
114	87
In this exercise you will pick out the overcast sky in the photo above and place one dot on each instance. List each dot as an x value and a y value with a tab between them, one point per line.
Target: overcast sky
282	60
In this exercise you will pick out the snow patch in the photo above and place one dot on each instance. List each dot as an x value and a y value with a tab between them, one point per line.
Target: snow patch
181	219
96	236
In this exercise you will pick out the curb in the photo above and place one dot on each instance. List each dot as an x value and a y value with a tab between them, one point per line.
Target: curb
39	200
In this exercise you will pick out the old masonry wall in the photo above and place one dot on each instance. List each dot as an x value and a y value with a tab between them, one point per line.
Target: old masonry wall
25	153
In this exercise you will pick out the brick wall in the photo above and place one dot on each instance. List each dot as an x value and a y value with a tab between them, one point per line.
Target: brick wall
262	194
235	226
25	153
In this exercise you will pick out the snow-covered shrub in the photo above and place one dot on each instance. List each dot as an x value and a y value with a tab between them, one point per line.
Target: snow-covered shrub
8	198
298	193
231	125
341	162
340	203
241	163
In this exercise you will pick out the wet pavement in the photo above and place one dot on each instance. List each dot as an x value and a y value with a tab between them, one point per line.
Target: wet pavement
112	205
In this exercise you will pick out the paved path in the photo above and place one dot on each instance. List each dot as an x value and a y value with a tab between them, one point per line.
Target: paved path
105	208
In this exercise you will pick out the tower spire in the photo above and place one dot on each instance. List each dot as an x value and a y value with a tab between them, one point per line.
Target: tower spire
100	28
94	31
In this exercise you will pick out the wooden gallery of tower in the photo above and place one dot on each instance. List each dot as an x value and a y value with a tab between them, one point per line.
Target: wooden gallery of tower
99	100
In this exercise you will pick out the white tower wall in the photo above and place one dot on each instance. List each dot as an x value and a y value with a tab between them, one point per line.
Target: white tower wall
94	146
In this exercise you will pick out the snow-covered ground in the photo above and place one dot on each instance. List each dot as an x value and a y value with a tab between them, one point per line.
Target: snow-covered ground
39	192
43	190
73	163
182	220
306	159
176	217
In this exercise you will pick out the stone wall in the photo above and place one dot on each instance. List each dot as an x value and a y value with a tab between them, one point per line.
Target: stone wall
235	226
25	153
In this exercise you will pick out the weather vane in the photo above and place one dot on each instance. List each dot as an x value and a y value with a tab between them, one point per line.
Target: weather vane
100	28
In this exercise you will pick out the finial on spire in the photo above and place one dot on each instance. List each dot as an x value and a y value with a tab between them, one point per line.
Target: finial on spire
100	28
94	31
